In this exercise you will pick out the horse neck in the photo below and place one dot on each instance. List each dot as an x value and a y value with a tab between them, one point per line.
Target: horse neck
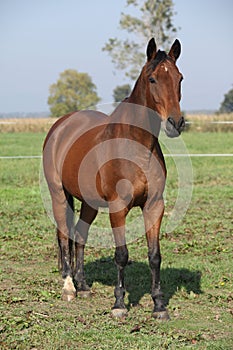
134	111
138	94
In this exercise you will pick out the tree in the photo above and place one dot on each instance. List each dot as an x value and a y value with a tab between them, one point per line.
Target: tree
73	91
120	92
227	103
155	21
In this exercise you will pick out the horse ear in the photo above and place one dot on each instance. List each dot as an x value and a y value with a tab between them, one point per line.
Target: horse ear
175	50
151	49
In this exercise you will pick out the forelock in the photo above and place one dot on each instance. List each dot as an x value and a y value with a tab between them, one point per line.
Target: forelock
160	56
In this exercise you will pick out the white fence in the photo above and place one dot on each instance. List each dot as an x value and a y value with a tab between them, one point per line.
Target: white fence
165	155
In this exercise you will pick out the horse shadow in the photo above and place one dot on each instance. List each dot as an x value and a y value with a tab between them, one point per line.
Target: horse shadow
138	279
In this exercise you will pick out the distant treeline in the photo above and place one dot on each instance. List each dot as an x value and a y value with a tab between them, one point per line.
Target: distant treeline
14	115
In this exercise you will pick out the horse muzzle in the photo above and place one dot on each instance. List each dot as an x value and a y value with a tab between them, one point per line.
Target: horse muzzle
173	128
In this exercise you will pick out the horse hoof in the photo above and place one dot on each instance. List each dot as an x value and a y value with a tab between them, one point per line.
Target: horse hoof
84	294
119	313
68	291
161	315
68	295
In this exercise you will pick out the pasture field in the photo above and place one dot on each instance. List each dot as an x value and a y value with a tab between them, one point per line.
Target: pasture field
196	270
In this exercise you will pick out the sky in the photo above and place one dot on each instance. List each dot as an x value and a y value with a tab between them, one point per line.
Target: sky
40	39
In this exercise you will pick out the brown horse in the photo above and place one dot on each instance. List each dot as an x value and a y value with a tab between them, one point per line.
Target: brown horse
116	162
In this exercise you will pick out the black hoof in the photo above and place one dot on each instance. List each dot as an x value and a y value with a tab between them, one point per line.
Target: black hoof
161	315
81	286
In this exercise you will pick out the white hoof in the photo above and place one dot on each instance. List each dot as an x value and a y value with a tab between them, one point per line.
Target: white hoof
68	291
119	313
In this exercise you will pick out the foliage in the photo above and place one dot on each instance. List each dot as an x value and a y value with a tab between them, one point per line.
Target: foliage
196	270
121	92
155	19
73	91
227	103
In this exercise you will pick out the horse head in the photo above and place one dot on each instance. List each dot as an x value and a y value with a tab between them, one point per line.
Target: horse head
163	86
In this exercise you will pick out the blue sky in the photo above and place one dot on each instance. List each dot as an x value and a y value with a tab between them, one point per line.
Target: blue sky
40	39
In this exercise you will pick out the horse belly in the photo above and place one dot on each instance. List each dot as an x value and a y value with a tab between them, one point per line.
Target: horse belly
80	174
123	181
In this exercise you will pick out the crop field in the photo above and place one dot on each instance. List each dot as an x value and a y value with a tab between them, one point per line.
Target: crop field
196	272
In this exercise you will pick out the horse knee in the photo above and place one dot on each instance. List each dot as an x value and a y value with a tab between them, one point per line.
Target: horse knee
154	260
121	256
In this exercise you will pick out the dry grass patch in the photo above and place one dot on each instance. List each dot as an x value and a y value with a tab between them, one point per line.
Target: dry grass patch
210	122
26	124
195	122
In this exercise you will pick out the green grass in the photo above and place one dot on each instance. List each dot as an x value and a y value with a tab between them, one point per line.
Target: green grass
21	144
196	269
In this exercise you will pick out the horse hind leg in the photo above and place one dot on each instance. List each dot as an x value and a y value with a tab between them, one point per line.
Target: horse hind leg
87	216
70	225
62	214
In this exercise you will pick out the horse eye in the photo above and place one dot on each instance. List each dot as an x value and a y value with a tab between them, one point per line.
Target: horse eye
152	80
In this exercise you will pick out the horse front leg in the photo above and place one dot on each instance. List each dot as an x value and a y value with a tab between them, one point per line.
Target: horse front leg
153	217
121	258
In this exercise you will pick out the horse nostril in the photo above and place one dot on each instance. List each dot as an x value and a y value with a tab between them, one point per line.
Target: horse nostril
181	123
171	121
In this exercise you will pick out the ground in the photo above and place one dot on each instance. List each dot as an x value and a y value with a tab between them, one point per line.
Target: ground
196	269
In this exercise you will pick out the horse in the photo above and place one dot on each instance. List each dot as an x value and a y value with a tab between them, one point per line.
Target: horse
115	161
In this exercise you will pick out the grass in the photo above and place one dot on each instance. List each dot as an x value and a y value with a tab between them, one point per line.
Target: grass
196	270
